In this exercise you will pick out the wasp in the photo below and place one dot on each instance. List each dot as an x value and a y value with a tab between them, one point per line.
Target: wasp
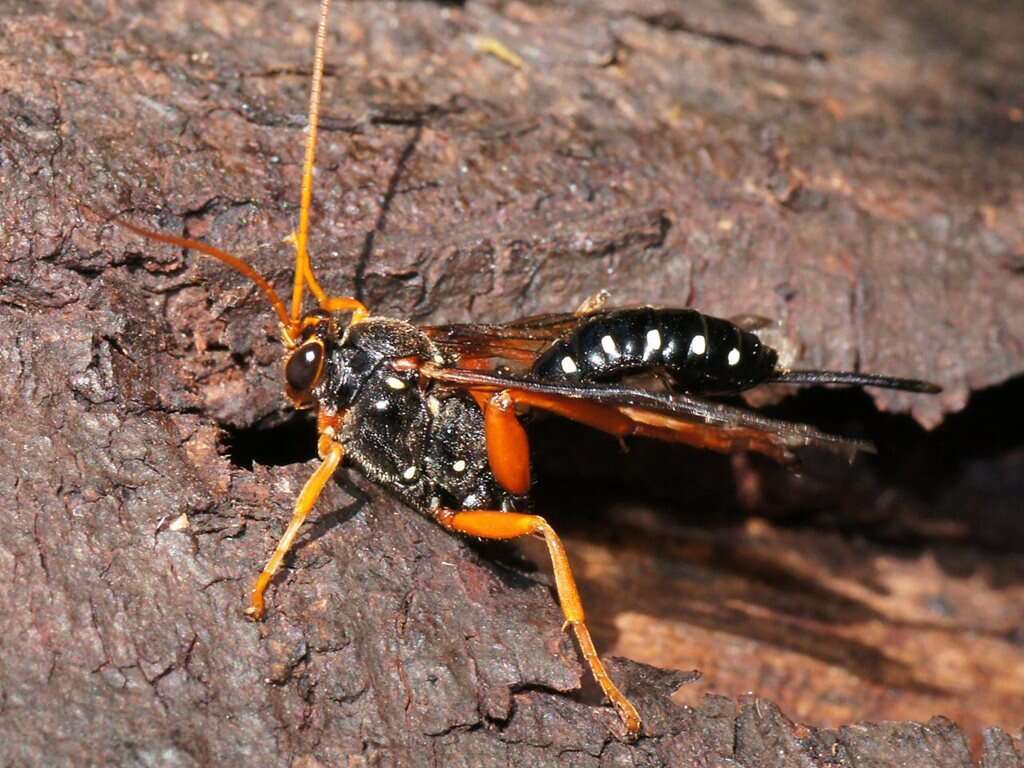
435	414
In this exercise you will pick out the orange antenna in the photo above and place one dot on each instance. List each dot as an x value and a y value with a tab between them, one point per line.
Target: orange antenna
232	261
293	321
303	268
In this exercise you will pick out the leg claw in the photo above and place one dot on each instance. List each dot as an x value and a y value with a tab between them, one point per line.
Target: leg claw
255	611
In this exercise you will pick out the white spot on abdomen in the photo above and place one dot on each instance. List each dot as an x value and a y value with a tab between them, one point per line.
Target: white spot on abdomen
459	466
569	365
608	345
699	345
409	473
734	356
394	382
653	343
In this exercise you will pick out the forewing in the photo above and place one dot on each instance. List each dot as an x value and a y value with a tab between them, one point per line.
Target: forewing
675	418
518	342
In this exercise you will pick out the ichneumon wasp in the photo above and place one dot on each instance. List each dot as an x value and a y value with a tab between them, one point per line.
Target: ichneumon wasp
433	413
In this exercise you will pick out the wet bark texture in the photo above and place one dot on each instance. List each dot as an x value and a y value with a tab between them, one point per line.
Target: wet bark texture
852	170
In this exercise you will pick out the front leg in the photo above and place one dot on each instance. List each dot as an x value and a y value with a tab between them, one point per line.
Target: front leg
331	453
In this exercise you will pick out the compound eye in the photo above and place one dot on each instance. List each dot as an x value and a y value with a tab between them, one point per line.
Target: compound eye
304	366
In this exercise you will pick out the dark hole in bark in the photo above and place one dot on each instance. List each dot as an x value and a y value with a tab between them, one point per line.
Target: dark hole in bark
274	442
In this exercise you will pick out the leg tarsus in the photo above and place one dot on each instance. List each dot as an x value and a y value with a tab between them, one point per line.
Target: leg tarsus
627	712
593	303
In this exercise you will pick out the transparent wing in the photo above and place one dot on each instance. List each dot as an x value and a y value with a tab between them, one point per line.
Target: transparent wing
518	342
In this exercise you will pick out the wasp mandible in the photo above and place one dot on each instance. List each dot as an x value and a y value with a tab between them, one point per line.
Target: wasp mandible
433	414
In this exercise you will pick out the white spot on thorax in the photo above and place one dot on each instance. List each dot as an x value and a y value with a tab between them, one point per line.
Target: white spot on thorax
459	466
409	473
569	365
608	345
382	405
699	345
310	355
470	501
434	405
394	382
734	356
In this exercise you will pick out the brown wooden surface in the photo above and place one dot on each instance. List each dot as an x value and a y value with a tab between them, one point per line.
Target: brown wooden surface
853	170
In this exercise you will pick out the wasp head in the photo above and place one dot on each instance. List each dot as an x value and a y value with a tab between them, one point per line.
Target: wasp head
321	367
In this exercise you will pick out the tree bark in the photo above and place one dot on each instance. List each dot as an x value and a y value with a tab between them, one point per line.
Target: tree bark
854	172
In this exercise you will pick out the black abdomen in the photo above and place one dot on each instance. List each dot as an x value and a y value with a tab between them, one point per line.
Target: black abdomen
696	352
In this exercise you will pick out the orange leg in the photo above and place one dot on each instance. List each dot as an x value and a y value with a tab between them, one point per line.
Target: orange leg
508	449
593	304
487	524
331	454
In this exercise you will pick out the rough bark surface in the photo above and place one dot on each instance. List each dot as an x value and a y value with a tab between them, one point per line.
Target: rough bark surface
853	170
